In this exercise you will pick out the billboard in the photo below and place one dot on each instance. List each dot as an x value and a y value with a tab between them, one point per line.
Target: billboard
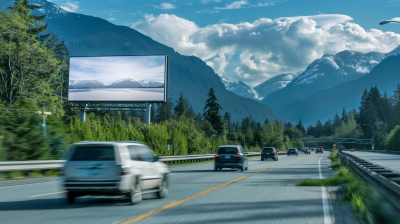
127	79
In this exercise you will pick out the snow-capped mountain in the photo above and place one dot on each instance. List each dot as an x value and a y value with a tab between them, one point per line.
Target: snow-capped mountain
83	84
52	10
325	73
121	83
275	83
241	89
151	83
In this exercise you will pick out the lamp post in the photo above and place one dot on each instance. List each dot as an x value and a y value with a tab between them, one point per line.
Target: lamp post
373	133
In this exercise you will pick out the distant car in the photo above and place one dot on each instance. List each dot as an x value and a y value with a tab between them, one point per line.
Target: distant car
292	151
320	149
231	156
127	168
307	151
269	153
312	149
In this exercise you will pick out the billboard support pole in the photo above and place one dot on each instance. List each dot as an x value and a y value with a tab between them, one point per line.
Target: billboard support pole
147	114
83	115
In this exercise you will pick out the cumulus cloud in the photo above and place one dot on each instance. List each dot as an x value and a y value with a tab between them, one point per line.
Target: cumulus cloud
165	5
70	6
265	47
234	5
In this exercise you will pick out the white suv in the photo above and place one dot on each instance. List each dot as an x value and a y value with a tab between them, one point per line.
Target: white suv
114	168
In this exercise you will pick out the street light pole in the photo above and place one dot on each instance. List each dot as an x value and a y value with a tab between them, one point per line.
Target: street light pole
373	133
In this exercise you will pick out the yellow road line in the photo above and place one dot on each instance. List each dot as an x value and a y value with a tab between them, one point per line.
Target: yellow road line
175	203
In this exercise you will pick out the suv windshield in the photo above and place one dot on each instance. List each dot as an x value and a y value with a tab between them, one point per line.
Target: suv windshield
268	149
93	153
227	150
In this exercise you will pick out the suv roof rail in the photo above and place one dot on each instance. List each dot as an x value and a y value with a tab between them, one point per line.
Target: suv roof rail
131	141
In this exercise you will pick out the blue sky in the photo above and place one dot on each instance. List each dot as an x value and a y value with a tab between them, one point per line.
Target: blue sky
243	40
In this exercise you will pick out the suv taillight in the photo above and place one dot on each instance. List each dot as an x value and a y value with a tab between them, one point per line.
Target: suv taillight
238	155
273	151
216	155
287	150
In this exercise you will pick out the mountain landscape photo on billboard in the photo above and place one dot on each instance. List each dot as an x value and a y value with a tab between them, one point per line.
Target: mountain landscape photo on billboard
117	78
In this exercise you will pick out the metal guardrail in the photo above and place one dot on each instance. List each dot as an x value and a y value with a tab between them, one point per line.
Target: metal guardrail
56	164
385	181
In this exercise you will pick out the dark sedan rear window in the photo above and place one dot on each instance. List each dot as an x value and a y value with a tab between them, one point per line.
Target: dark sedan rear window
268	149
94	153
227	150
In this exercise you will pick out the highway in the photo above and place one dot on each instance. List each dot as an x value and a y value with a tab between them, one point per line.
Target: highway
389	161
197	194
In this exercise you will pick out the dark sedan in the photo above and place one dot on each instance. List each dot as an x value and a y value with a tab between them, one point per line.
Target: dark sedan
292	151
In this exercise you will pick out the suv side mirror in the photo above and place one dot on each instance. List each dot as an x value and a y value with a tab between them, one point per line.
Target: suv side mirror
155	158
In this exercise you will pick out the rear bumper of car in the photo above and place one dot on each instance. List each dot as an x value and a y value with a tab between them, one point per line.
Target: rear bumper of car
268	156
228	165
94	187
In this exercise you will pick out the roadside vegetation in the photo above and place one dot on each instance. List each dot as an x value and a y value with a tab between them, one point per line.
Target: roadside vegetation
366	202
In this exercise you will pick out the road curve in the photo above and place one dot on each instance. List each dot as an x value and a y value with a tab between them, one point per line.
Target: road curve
268	196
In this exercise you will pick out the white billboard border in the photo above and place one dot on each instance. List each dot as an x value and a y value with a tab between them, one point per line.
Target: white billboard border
125	102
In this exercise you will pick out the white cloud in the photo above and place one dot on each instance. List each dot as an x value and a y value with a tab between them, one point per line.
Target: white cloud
323	19
207	11
266	47
234	5
70	6
208	1
112	19
165	5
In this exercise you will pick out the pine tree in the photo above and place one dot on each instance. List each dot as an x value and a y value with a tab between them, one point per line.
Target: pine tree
266	121
227	117
300	126
181	107
211	112
163	111
319	129
336	120
344	115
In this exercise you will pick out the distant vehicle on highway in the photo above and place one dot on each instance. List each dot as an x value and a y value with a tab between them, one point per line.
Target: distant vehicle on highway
127	168
231	156
320	149
269	153
292	151
307	151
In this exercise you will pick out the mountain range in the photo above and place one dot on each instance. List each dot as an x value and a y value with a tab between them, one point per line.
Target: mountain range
240	88
275	83
324	104
121	83
91	36
325	73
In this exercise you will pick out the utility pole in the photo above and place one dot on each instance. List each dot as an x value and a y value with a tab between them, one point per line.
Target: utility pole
244	143
212	146
44	121
173	138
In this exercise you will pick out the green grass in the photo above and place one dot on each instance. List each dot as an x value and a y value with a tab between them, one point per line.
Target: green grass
343	175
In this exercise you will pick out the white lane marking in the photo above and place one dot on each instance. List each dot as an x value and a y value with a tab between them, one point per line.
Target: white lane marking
325	206
30	184
46	194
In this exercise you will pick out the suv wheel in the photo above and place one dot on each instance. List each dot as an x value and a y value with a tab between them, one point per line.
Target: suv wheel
135	196
71	197
262	159
163	192
242	168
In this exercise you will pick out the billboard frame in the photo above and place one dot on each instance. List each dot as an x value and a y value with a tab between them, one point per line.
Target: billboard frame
125	102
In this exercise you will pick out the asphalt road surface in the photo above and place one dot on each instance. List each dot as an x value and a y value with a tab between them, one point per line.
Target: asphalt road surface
197	194
389	161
